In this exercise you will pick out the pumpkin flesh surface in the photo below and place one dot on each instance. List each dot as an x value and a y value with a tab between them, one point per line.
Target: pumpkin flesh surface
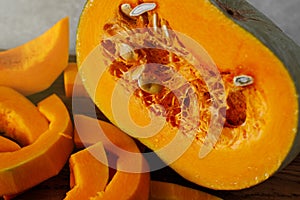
8	145
256	127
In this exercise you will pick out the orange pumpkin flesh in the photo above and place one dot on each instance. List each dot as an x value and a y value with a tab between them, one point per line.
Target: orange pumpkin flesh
29	166
70	76
258	138
163	190
19	118
35	65
88	175
8	145
118	187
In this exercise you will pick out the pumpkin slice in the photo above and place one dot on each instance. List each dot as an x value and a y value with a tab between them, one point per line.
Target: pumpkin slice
124	184
163	190
7	145
70	77
257	63
88	175
35	65
20	119
29	166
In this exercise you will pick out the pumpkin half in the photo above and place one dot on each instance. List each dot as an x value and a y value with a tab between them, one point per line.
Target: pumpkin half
35	65
257	65
30	165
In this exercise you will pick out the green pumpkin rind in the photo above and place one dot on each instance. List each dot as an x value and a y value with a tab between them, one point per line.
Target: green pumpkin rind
255	22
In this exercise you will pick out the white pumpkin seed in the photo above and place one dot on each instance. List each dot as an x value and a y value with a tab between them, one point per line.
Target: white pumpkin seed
242	80
126	9
154	22
141	9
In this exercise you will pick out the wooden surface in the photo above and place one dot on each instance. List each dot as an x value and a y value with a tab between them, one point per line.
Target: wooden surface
283	185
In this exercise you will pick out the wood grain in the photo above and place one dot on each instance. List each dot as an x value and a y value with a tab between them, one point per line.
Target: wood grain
284	185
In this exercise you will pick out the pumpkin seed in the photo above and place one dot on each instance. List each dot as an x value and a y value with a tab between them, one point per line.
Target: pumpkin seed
141	9
242	80
148	86
165	29
151	88
154	21
126	9
126	52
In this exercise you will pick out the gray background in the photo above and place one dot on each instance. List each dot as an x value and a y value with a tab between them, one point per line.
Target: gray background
23	20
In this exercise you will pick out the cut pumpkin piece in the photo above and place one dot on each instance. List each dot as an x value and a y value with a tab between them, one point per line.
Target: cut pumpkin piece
87	174
256	81
29	166
20	119
164	191
124	184
35	65
7	145
71	79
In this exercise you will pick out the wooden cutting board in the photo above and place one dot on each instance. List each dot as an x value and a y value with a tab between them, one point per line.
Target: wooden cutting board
283	185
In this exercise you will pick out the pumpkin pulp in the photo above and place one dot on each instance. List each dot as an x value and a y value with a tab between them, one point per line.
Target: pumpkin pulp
254	120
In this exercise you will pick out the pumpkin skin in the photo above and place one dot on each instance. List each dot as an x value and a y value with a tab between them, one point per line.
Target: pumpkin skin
45	157
35	65
20	119
253	45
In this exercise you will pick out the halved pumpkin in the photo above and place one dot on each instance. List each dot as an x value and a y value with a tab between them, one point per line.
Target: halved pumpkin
124	184
20	119
163	190
29	166
257	63
35	65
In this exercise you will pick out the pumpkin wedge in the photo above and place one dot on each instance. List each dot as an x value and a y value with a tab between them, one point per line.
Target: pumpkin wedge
20	119
88	175
71	79
35	65
163	190
7	145
257	77
87	131
29	166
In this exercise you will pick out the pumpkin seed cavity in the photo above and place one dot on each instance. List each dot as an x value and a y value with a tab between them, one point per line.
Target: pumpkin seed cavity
240	118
